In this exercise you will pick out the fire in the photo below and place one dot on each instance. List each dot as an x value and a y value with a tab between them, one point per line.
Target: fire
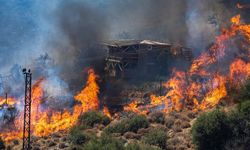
239	72
45	122
10	136
197	88
10	101
183	90
61	121
177	89
37	95
155	100
217	92
218	49
134	107
106	112
89	95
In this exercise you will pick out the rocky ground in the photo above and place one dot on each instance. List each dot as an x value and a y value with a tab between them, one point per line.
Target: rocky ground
177	125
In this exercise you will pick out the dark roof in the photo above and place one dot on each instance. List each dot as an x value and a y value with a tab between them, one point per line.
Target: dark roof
120	43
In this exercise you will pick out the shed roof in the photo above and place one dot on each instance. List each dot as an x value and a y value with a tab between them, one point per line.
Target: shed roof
120	43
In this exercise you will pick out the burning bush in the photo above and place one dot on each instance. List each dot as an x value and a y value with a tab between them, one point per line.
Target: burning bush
93	117
211	130
104	143
2	145
125	125
156	137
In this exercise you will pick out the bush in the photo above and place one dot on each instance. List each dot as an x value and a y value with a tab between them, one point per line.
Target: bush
157	138
157	117
241	94
93	117
240	126
136	123
211	131
244	108
104	143
76	135
140	146
244	93
125	125
2	145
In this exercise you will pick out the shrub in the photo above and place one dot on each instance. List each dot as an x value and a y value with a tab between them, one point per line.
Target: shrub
93	117
76	135
140	146
240	126
125	125
104	143
244	108
2	145
244	93
211	130
136	123
241	94
169	122
157	117
119	127
157	138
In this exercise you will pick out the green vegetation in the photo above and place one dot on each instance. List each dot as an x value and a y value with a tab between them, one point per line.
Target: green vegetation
104	143
125	125
240	125
2	145
244	93
211	130
77	136
156	137
217	130
93	117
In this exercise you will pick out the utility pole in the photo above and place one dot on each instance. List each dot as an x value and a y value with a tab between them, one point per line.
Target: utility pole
6	99
27	110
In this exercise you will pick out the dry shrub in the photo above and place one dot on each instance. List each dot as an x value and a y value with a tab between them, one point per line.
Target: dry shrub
178	122
185	125
191	115
174	141
169	122
156	117
177	128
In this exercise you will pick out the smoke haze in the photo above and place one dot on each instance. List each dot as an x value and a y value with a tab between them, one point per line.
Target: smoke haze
68	31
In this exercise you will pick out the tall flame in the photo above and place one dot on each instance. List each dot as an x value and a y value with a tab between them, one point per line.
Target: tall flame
89	95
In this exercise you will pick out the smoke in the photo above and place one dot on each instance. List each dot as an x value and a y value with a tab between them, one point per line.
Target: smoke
79	28
68	31
148	19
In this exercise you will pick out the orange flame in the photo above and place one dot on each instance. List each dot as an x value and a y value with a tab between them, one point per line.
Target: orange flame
217	92
239	72
182	90
106	112
89	95
58	121
46	122
10	101
133	107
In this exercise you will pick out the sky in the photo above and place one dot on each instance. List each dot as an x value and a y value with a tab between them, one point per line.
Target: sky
62	28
